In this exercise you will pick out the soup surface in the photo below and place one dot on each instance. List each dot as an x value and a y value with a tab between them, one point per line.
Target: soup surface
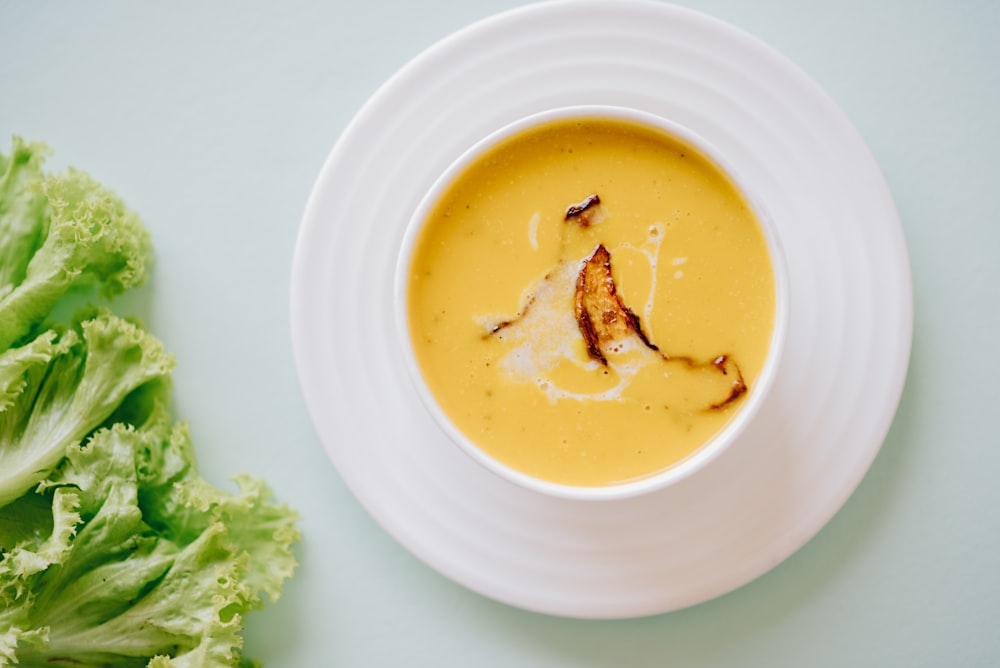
590	301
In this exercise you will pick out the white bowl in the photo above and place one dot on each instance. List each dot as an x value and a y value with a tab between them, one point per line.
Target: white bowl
727	437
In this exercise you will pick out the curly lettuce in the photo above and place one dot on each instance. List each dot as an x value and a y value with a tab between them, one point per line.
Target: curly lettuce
58	232
137	578
86	375
114	551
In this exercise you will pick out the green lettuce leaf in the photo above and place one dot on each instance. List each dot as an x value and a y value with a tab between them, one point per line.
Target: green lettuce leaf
120	591
57	232
114	551
67	388
23	219
36	534
182	505
15	363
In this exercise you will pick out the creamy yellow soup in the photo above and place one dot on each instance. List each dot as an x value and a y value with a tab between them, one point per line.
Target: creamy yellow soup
590	301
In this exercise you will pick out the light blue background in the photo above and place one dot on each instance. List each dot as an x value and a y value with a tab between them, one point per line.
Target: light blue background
212	121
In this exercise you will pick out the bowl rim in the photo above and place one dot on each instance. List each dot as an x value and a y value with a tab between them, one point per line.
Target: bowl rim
719	442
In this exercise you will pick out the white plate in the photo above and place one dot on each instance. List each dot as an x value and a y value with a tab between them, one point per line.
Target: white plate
848	339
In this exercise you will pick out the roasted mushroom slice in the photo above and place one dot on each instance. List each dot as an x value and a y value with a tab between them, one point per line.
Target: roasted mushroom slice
586	212
600	313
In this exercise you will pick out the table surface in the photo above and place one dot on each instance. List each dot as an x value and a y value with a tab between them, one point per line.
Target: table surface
212	121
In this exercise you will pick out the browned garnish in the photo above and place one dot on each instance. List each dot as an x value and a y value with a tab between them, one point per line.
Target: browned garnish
737	387
504	324
601	315
605	321
584	212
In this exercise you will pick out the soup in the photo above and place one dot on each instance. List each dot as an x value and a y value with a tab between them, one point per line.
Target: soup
590	301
